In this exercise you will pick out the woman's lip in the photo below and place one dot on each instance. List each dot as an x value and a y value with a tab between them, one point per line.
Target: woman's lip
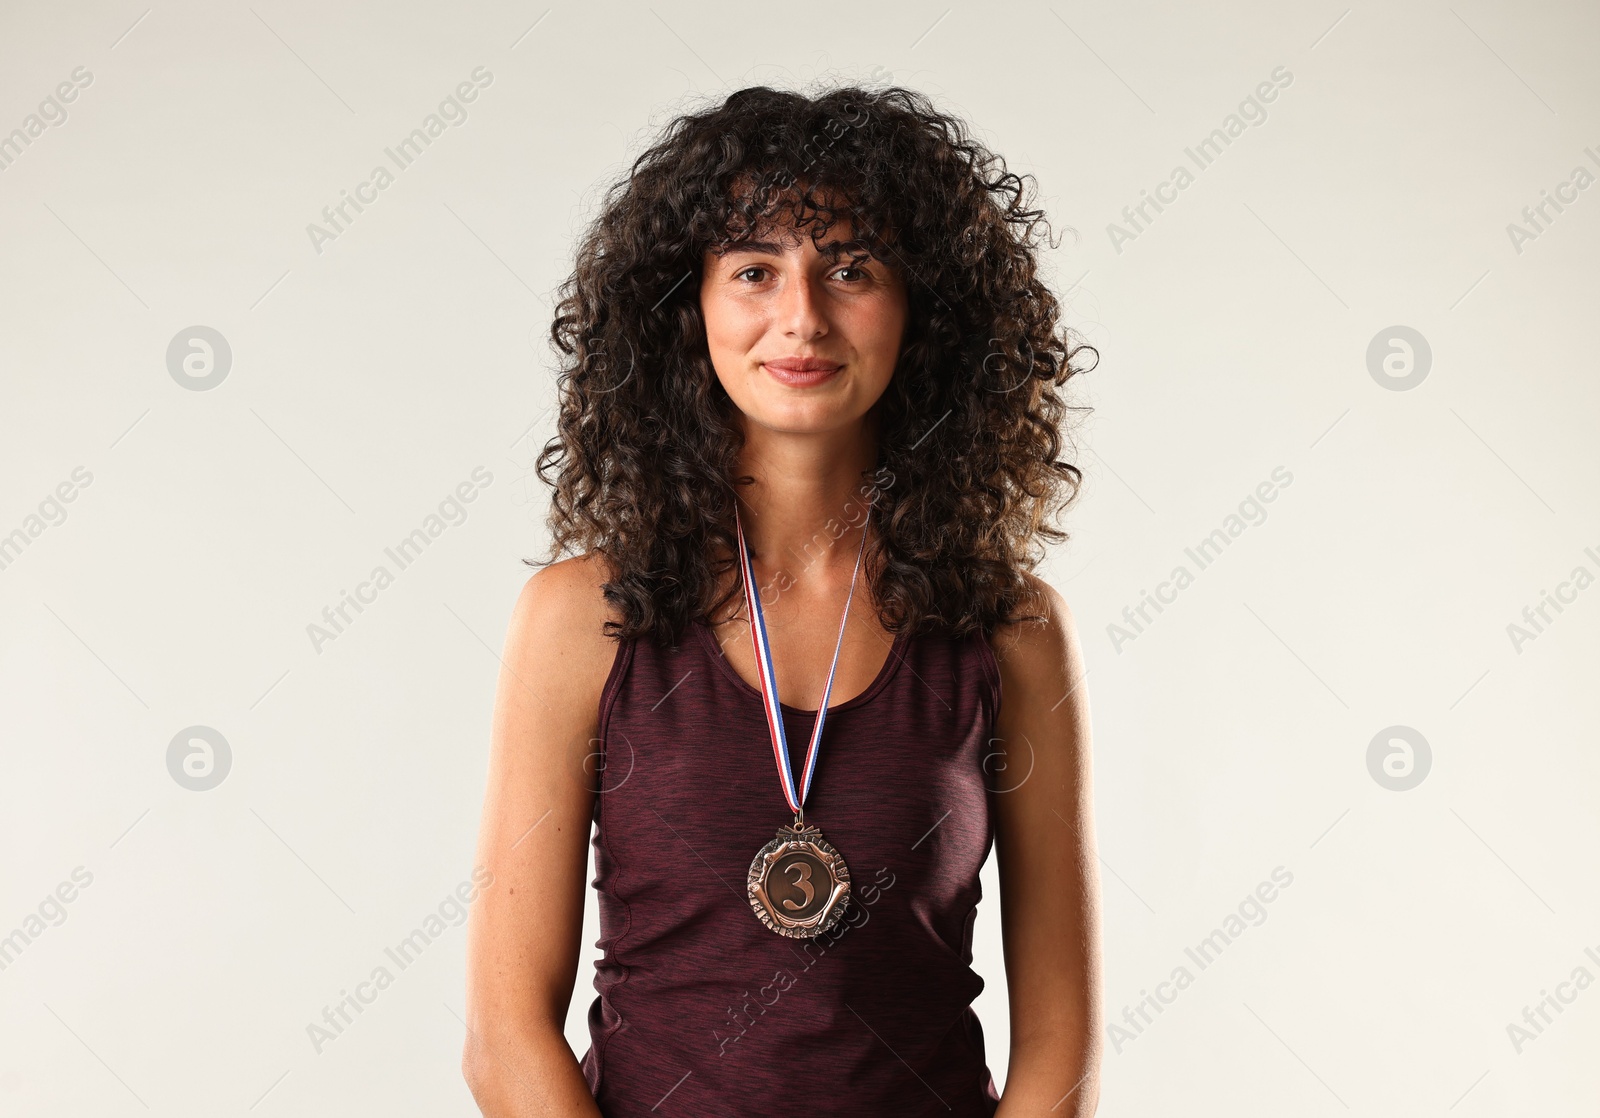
796	374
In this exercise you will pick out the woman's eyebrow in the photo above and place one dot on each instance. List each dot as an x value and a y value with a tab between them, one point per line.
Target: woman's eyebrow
835	249
771	248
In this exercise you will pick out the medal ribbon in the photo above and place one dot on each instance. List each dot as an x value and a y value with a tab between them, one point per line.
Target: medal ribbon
769	679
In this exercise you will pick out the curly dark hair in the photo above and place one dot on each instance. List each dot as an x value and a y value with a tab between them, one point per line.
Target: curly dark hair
970	426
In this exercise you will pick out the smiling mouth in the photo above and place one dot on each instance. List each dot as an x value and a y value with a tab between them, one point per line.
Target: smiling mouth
801	372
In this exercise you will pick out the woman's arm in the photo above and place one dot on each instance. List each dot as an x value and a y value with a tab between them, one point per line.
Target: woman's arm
526	927
1049	880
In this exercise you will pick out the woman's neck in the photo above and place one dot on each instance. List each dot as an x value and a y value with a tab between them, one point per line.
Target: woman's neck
810	496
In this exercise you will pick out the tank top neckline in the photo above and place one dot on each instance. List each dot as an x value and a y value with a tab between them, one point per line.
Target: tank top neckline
890	666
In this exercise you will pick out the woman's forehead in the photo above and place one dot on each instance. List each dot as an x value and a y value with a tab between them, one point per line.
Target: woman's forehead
783	227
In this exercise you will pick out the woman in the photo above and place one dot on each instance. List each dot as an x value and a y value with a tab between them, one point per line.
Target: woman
808	366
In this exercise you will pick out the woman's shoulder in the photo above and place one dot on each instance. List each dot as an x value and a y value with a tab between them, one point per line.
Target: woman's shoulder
1040	611
557	628
1040	646
1044	702
572	588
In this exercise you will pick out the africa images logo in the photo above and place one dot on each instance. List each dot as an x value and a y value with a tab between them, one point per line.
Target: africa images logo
1251	113
1250	512
450	512
452	111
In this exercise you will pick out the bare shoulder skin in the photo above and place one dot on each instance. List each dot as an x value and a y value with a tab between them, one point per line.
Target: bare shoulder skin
526	928
1049	877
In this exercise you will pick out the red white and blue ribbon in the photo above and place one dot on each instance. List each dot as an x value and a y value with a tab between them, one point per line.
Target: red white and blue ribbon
769	679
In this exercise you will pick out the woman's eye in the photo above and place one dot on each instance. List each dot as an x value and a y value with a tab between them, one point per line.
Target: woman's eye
756	273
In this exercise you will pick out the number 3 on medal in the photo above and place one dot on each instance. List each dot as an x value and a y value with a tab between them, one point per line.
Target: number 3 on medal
803	882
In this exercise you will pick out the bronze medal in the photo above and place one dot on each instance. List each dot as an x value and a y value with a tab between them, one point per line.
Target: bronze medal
798	884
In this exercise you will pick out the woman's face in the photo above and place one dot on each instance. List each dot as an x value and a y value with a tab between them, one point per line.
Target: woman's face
804	341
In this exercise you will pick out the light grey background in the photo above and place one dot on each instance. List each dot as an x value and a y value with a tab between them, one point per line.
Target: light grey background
370	378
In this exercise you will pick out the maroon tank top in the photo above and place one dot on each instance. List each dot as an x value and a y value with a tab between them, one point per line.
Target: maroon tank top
702	1011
